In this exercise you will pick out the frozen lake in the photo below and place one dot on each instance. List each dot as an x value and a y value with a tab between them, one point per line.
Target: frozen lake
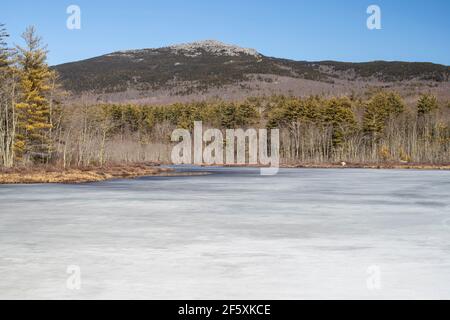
303	234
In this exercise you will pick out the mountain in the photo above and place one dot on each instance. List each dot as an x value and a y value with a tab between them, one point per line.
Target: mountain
211	68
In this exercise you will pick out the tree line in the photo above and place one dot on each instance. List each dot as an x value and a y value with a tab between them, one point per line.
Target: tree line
37	128
313	130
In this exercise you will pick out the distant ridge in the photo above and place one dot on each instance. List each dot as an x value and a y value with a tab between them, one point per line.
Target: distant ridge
211	67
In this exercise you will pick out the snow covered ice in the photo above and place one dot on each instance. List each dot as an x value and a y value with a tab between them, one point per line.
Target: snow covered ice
302	234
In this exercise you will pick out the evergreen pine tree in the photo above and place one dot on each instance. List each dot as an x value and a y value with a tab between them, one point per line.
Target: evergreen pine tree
427	104
33	109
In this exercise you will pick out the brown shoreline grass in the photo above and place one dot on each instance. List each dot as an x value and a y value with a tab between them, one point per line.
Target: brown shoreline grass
48	174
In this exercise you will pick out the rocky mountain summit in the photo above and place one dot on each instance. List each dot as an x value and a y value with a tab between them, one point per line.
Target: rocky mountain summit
195	49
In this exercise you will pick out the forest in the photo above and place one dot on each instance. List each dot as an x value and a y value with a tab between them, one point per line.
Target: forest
40	126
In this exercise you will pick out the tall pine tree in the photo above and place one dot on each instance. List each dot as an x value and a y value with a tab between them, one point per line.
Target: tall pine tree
34	124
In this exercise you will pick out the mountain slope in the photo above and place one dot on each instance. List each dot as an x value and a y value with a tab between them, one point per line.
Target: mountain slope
206	66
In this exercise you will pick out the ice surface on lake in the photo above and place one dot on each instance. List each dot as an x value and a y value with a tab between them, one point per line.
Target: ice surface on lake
305	233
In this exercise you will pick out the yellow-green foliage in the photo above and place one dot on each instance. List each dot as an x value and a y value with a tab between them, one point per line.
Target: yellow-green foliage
427	103
33	108
222	114
335	113
379	109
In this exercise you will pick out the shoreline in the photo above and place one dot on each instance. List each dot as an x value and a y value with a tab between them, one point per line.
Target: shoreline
343	165
45	175
381	166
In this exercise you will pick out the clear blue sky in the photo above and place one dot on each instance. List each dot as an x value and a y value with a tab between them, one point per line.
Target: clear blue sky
412	30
